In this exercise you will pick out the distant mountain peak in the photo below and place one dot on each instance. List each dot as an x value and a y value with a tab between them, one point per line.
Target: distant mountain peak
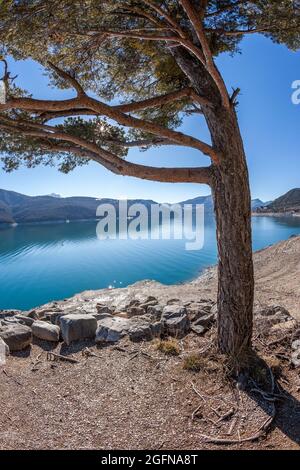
54	195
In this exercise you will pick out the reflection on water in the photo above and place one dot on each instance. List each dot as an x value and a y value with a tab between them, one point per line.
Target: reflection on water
39	263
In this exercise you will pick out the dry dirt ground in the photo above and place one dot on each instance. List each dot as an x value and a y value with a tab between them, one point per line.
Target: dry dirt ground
132	396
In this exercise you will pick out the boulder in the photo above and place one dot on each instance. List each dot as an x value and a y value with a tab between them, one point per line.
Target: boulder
16	336
45	331
111	329
175	320
76	326
140	331
155	310
4	350
25	320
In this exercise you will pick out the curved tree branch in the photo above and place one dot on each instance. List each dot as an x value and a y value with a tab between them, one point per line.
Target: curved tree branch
30	104
196	21
109	160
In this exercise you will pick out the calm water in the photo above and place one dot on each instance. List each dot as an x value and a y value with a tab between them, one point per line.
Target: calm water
39	263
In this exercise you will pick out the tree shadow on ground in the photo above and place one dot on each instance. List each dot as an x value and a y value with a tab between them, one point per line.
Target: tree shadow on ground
287	408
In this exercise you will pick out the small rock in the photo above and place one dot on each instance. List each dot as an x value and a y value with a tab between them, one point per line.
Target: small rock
295	358
102	308
76	326
205	320
16	336
196	311
296	344
275	314
286	326
111	330
32	314
4	349
198	329
45	331
151	298
175	320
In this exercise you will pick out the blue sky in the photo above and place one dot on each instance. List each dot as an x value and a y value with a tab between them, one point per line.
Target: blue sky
268	119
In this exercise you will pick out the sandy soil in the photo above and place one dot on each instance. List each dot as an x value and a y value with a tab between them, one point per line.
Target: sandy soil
134	397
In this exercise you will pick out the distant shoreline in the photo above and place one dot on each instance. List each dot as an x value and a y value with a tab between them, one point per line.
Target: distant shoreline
69	221
275	214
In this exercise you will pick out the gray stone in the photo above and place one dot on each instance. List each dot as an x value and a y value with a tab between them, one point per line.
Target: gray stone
146	305
295	358
45	331
135	311
102	308
139	331
296	344
198	329
25	320
175	320
156	329
205	320
32	314
274	315
196	311
111	330
8	313
76	326
4	348
16	336
155	310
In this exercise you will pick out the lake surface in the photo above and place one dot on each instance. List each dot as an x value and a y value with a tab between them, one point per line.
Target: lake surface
40	263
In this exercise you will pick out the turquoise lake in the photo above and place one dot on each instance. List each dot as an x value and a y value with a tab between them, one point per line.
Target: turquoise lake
40	263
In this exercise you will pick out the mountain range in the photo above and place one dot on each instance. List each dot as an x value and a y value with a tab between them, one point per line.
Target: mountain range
19	208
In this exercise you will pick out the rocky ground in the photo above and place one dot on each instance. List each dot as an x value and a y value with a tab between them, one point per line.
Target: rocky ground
99	370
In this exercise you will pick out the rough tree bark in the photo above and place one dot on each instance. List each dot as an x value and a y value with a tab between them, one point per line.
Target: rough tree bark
232	205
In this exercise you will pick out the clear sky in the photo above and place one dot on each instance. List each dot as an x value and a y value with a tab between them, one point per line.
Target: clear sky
268	119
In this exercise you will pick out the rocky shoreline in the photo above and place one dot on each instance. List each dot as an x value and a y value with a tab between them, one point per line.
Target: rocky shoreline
148	309
138	318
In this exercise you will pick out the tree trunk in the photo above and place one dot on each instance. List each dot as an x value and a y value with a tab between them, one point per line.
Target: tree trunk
232	202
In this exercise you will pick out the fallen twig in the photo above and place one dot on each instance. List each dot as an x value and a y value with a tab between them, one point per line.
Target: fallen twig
232	425
11	377
56	357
